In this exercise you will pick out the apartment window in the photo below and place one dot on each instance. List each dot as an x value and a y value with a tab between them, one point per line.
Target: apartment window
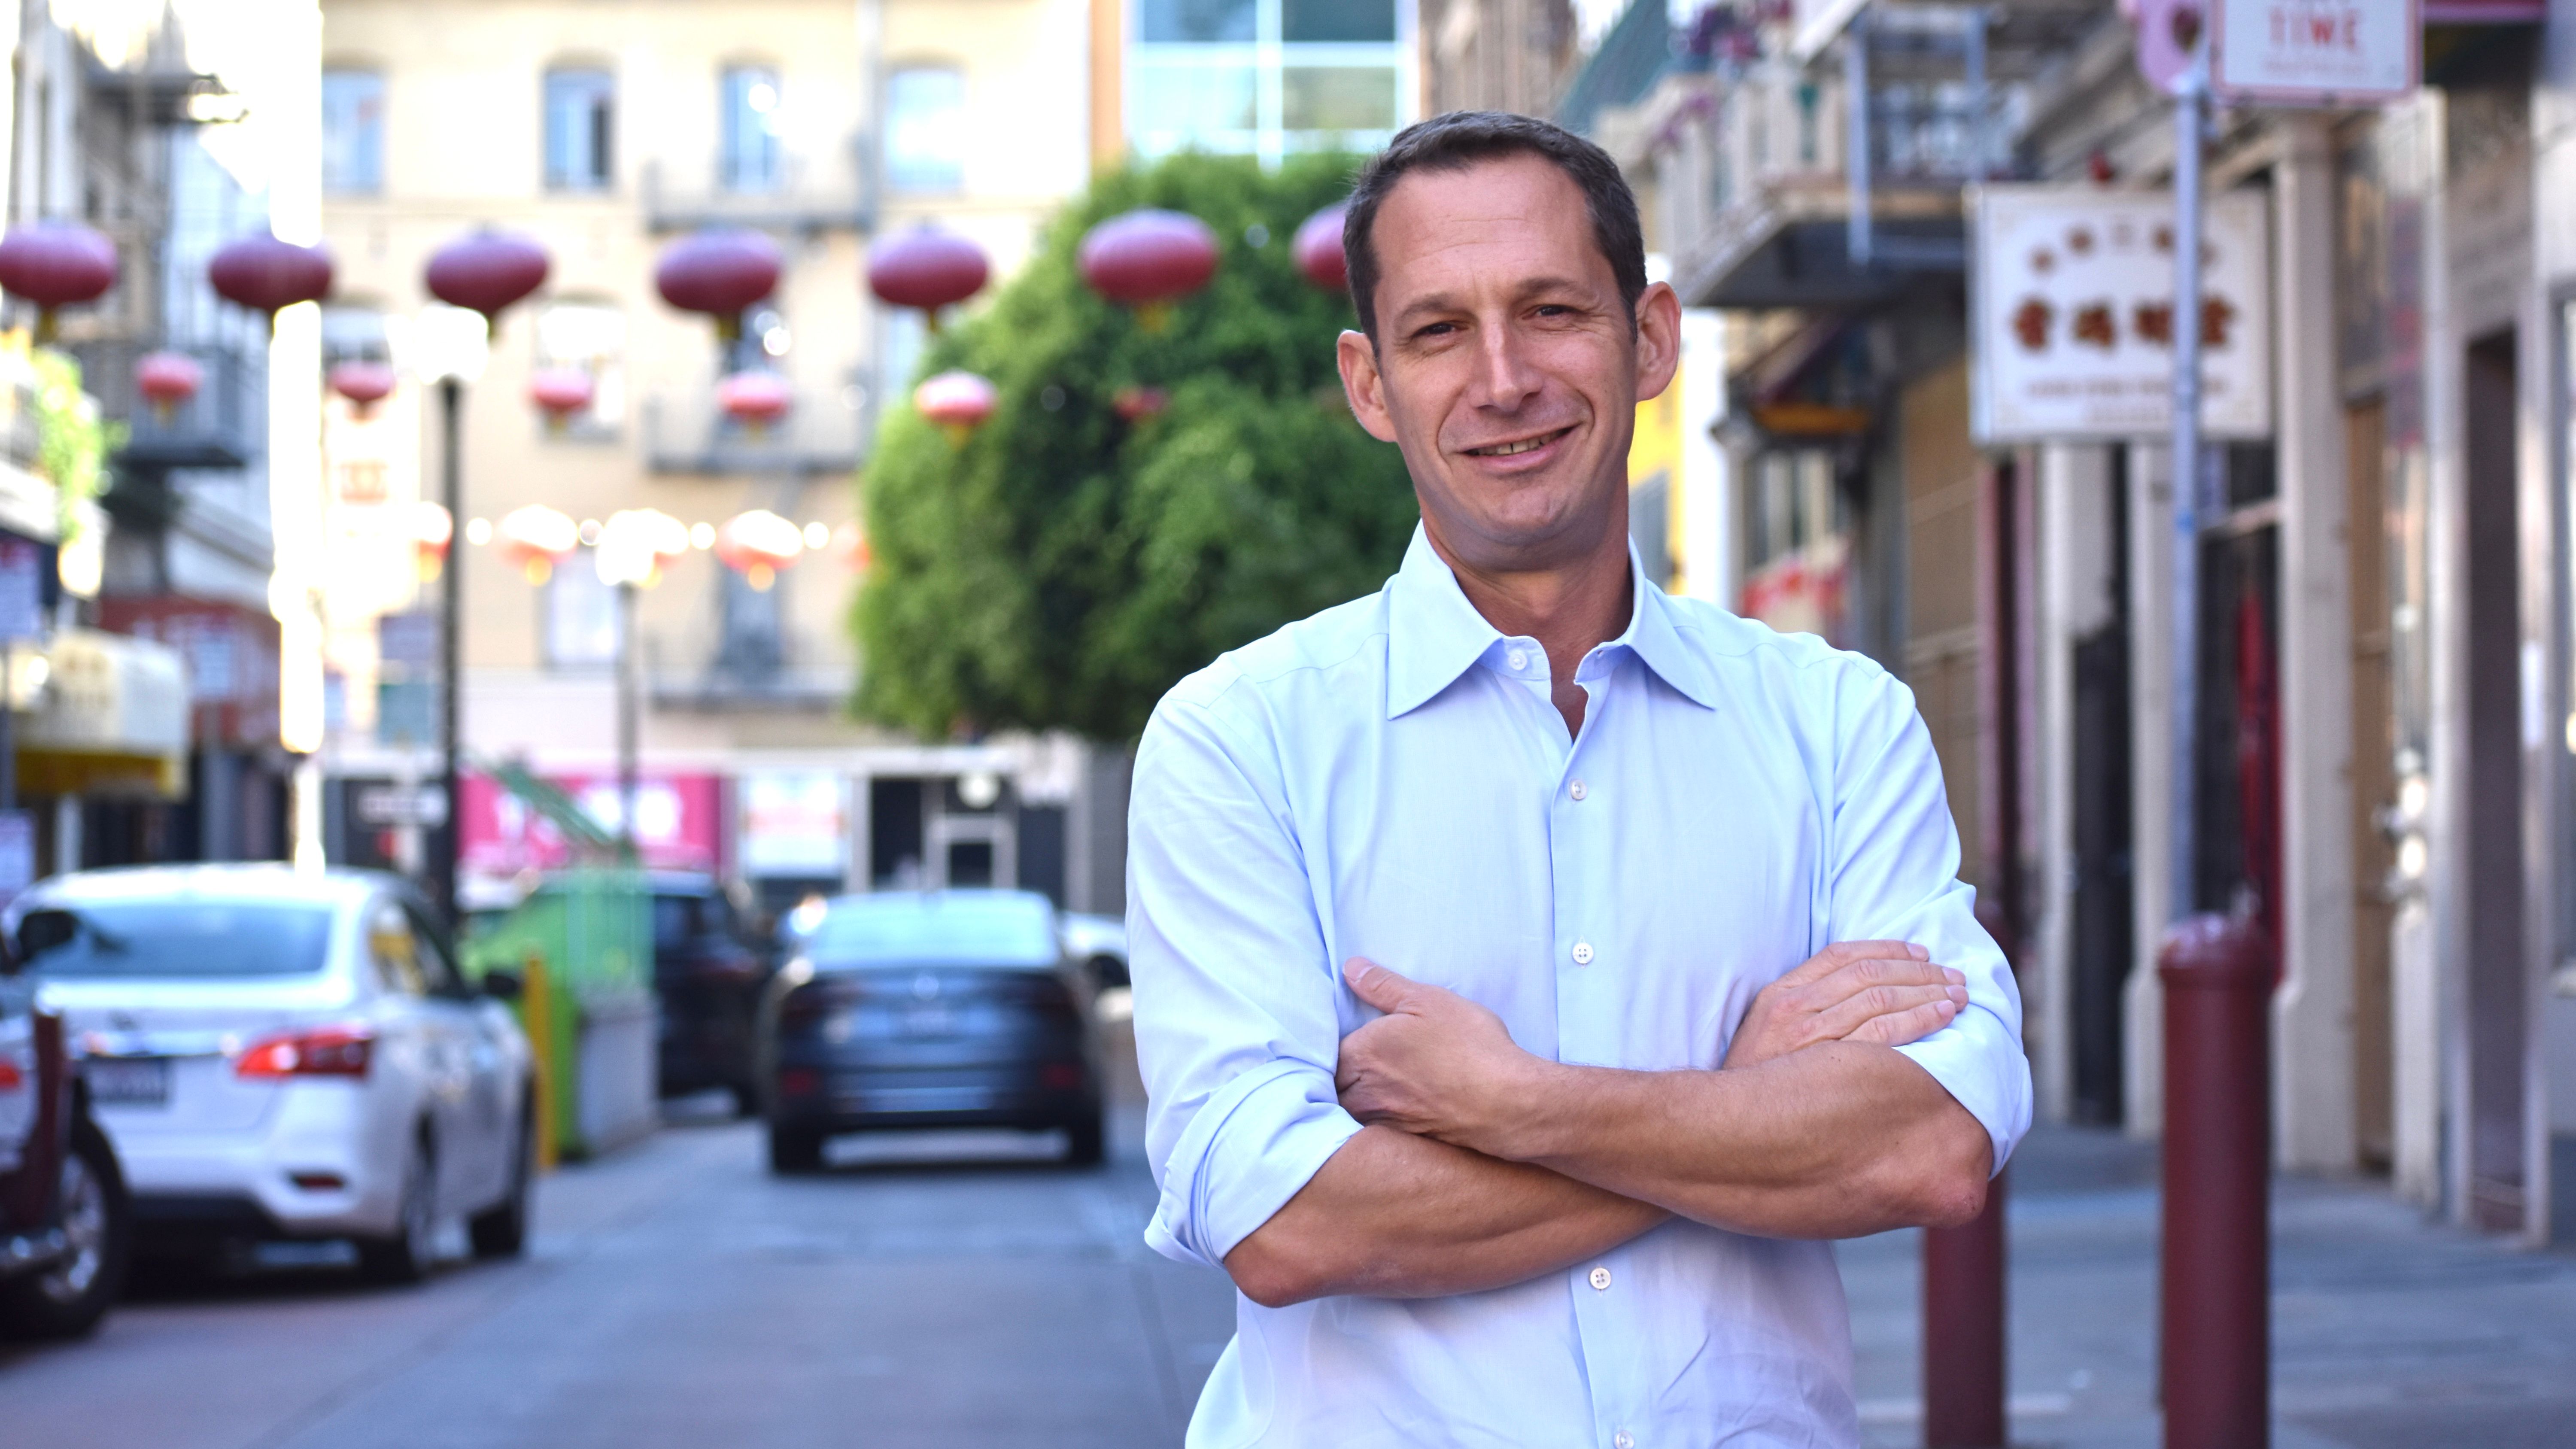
588	337
1266	77
925	128
751	118
581	118
580	616
353	132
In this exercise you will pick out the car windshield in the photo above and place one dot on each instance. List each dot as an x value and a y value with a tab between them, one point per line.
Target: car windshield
934	930
195	940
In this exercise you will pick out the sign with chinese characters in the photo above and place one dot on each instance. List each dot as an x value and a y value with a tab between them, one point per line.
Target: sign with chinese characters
2315	52
678	823
2071	326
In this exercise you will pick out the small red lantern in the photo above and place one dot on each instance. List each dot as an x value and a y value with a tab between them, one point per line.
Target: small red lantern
363	383
166	380
535	538
1136	404
719	272
757	545
1318	249
268	276
926	268
560	392
487	271
432	531
755	399
1149	260
850	546
958	402
56	264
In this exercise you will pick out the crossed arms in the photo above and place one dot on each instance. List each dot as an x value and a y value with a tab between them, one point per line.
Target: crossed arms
1483	1165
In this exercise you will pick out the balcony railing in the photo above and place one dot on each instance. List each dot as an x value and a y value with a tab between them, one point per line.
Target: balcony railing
217	428
685	432
838	195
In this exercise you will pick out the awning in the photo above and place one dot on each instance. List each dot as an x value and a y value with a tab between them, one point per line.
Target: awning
111	719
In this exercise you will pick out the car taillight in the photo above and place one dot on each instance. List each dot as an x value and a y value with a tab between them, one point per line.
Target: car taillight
321	1051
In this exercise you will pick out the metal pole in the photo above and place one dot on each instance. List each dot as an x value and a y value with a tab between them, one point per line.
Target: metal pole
2215	1248
630	659
451	653
2186	483
1856	145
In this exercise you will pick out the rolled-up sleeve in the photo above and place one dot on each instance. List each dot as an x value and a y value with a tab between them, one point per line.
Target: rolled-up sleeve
1894	875
1237	1029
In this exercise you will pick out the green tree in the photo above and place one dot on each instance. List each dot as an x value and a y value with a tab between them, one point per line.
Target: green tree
1061	567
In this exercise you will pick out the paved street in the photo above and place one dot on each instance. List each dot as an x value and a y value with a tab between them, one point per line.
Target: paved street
678	1295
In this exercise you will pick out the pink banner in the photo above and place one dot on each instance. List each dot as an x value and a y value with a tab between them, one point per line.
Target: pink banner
678	823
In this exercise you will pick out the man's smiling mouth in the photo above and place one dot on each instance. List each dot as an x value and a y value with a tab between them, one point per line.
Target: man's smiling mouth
1525	445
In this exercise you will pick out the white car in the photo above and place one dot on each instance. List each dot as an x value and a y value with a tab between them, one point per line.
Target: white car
285	1055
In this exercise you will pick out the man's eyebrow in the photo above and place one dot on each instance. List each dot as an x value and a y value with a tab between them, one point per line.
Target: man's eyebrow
1447	302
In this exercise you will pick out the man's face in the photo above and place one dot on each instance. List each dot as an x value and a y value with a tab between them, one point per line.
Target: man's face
1507	368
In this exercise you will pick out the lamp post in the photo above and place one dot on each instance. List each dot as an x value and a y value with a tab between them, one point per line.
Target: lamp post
633	545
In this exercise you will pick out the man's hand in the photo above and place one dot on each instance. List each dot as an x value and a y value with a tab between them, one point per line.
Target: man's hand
1436	1065
1883	992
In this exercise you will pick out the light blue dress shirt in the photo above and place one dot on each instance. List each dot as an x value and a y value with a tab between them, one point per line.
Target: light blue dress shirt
1389	779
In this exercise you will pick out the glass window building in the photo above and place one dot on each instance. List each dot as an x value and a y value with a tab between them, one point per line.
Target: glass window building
1268	77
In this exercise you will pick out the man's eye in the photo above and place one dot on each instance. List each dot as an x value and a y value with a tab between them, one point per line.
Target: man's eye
1437	329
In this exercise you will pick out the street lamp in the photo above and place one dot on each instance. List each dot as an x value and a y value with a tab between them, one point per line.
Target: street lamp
477	277
633	545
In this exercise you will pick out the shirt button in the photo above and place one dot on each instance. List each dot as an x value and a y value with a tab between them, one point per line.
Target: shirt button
1577	790
1516	659
1623	1440
1582	953
1601	1279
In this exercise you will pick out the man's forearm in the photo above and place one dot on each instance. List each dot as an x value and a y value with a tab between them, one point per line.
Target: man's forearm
1392	1215
1836	1140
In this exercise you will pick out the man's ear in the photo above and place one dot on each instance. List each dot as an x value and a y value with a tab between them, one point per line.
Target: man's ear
1364	385
1659	340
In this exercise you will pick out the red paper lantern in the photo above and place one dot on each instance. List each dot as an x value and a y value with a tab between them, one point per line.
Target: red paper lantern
363	383
267	275
560	392
1148	260
487	271
1318	249
56	264
757	545
958	402
850	546
926	268
535	538
755	399
167	379
719	272
1135	404
432	531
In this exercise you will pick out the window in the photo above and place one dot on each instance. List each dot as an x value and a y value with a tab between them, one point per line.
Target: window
751	121
925	125
353	132
1267	76
581	616
581	116
589	338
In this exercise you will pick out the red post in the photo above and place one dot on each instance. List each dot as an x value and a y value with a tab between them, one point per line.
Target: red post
1963	1331
2217	1250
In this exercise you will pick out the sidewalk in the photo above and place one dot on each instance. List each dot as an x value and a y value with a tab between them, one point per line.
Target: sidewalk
2388	1332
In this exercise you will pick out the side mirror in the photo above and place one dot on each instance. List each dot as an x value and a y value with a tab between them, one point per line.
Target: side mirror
504	985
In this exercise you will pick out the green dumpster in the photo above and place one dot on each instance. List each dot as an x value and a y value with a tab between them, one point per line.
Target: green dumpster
589	1009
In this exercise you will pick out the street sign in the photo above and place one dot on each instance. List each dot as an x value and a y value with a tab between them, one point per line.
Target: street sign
2072	316
387	807
2315	52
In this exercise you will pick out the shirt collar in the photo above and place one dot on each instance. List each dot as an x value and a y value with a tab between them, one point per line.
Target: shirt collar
1434	634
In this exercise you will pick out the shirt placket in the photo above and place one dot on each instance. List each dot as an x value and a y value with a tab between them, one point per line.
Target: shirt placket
1588	1016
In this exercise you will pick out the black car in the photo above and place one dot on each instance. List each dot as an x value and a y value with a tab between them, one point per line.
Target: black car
708	976
66	1228
954	1008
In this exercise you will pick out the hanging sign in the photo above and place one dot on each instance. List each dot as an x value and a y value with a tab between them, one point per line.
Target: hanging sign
2316	52
2072	316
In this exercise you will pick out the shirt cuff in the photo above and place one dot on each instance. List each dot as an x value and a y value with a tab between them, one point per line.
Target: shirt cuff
1977	1062
1246	1152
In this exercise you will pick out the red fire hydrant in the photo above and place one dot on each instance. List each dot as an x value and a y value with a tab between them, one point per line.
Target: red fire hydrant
2217	1253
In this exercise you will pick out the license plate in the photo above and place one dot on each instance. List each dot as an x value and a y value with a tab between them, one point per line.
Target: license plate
144	1083
929	1021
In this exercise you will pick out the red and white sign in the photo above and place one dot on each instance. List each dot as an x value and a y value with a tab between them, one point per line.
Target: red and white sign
2316	52
2072	320
678	823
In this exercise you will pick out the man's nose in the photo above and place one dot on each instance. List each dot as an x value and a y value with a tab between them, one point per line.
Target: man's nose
1504	376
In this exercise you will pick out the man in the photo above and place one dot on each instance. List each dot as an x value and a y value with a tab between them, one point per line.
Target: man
1635	906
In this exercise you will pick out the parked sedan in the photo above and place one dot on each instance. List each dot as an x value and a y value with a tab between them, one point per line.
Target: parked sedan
931	1009
64	1224
283	1054
707	978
